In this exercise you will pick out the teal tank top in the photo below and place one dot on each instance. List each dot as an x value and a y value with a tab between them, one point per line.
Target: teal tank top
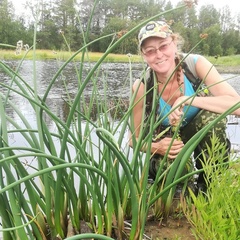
189	111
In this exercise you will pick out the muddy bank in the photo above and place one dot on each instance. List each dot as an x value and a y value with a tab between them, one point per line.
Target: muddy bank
228	69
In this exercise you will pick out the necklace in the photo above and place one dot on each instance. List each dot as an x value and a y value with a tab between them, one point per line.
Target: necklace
176	77
159	82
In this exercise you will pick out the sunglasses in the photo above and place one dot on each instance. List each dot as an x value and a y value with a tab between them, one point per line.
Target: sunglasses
153	51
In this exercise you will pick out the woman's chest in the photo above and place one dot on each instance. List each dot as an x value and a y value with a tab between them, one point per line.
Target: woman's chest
171	93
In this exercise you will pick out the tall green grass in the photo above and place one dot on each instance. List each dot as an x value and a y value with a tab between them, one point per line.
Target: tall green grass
85	175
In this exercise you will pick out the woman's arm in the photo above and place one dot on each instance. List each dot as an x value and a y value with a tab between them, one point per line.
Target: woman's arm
217	104
160	147
223	95
211	77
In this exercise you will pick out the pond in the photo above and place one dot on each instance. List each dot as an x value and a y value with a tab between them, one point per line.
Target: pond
115	84
113	81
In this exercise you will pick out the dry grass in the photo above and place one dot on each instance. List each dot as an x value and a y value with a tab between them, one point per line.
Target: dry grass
64	55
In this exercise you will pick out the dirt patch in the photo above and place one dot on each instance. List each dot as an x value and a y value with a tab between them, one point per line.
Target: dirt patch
174	228
228	69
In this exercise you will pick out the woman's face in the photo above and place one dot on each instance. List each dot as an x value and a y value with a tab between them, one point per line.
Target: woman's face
159	53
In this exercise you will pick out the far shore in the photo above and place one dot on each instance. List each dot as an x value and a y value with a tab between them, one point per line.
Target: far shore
224	64
229	69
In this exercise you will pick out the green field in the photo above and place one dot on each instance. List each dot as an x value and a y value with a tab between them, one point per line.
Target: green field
94	56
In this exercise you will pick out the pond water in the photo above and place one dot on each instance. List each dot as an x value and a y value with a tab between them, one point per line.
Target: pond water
112	80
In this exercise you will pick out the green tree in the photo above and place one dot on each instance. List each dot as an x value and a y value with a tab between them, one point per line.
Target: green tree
48	37
180	14
119	26
20	32
73	17
208	16
205	49
230	41
6	13
186	24
226	19
214	40
66	22
169	6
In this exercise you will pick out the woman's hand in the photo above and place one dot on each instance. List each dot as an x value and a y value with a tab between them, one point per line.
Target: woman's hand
163	145
176	114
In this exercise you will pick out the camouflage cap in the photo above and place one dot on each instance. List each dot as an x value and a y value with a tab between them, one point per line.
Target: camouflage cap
154	29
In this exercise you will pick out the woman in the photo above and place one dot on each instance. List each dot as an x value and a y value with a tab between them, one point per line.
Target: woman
159	49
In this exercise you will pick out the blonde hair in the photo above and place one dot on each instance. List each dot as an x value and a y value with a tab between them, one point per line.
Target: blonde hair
179	41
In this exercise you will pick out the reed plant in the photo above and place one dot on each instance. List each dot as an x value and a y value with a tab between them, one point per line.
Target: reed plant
85	182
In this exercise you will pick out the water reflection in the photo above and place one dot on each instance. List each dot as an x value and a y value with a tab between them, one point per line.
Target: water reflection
233	80
111	83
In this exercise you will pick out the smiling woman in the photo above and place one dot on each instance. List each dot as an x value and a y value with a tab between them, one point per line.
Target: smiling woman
180	106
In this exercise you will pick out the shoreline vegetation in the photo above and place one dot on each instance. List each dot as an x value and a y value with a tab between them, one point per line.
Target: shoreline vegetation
224	64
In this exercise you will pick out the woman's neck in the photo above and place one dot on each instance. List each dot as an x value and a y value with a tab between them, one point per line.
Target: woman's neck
168	76
164	78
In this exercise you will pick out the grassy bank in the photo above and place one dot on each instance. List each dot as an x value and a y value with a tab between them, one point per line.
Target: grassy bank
94	56
64	55
226	64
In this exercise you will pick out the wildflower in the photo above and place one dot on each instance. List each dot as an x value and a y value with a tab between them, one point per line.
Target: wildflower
20	44
204	35
60	31
19	47
26	47
121	33
189	3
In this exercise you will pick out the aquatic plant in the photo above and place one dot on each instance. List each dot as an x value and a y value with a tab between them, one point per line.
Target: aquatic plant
82	178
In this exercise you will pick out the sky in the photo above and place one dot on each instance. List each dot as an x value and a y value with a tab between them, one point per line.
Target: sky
234	5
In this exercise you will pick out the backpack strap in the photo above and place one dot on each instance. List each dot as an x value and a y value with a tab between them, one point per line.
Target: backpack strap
189	69
189	60
148	79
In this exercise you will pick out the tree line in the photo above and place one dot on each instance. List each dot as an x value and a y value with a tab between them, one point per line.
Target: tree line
69	24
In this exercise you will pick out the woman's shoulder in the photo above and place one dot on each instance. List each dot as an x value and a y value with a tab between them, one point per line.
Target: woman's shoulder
191	58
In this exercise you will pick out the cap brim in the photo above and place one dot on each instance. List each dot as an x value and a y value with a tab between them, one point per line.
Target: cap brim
159	34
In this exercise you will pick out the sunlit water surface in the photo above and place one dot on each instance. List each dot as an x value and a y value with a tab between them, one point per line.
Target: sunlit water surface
112	79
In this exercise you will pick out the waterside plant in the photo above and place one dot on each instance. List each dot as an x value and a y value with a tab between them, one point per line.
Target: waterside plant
81	181
214	214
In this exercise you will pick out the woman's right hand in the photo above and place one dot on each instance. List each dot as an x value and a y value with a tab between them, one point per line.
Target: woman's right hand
162	147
